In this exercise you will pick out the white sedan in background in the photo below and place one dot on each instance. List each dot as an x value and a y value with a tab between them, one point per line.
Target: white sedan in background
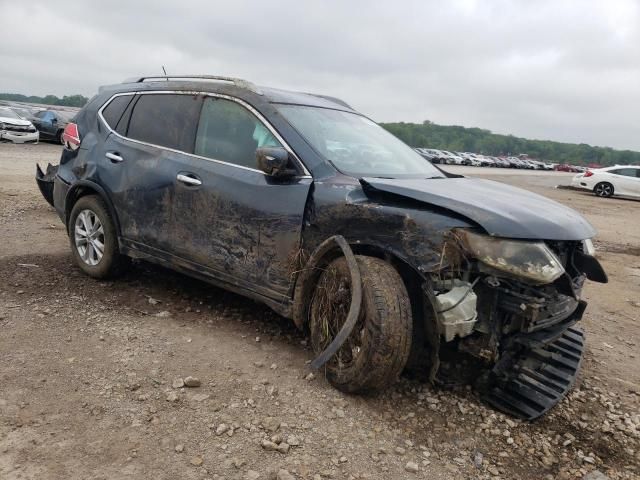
605	182
14	128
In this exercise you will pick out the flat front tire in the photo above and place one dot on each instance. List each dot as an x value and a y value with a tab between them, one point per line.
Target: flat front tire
93	239
377	350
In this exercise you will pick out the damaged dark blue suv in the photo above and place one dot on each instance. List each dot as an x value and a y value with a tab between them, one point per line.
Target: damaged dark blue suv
300	202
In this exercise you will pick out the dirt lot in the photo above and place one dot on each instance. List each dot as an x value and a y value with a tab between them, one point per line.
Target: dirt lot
88	373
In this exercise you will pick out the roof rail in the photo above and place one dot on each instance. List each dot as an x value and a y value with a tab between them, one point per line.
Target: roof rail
332	99
238	82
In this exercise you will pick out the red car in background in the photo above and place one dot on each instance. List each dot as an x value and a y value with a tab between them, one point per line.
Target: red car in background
566	168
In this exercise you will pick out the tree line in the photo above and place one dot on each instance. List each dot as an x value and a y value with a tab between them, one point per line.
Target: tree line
66	101
477	140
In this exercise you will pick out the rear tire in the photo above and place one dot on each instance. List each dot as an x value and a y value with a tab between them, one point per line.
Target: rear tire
58	138
378	348
94	240
603	189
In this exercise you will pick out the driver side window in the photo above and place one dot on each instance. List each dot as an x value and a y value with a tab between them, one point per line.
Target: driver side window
230	133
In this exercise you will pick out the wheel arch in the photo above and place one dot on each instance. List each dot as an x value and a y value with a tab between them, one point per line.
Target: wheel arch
82	189
325	254
604	182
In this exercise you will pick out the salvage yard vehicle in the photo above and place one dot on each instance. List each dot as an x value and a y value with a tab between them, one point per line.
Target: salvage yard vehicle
14	128
428	154
298	201
609	181
51	124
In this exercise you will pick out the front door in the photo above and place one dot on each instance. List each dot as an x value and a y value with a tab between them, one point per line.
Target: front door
45	121
232	218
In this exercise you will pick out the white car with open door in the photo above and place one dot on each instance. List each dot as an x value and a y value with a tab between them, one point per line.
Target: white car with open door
606	182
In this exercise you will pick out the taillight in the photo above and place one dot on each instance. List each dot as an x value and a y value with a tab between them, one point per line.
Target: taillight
588	173
71	137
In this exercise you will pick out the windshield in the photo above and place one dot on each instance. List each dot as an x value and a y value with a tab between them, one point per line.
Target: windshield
355	145
8	113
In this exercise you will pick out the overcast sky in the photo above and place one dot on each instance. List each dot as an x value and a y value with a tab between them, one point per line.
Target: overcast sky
560	70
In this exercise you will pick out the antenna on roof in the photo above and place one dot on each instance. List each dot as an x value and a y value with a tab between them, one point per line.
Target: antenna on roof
165	72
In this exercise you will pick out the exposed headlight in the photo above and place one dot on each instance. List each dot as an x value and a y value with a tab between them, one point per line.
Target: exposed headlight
530	260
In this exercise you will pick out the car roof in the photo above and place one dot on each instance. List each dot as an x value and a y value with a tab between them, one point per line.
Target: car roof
231	86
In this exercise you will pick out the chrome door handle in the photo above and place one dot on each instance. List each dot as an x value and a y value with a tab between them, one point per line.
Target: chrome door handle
114	157
188	180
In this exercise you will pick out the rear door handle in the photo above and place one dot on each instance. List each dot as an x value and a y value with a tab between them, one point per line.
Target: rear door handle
189	179
114	157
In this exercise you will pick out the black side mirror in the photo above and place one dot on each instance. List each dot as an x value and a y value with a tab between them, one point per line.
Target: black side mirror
54	120
274	161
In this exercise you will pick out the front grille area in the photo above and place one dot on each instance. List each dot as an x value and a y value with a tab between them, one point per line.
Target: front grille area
19	128
515	307
529	313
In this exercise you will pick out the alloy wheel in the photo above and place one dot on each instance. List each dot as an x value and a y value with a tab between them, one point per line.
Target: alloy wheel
604	190
89	237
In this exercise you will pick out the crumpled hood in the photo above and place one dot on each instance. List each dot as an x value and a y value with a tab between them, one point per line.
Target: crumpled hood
502	210
15	121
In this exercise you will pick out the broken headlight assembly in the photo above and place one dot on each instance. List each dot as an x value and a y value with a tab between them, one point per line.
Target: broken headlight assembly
532	261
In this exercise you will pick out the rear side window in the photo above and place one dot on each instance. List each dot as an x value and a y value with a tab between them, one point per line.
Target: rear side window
230	133
166	120
627	172
123	123
114	110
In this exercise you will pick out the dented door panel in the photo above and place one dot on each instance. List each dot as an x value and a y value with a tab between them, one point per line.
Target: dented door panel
141	187
240	222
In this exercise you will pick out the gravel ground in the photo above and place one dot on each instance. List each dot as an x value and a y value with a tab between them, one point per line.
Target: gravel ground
159	376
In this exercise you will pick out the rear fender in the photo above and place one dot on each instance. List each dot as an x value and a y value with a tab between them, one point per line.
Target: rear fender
86	187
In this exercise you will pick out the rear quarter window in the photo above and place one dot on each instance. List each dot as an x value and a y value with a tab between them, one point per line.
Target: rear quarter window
626	172
115	108
166	120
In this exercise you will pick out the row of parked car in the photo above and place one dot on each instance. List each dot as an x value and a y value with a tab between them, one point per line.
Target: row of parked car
24	124
478	160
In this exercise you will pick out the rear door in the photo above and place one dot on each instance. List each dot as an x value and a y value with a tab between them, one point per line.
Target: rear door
635	186
142	157
229	217
625	181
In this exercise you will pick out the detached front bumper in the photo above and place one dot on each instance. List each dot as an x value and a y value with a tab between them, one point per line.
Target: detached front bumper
527	383
19	137
530	336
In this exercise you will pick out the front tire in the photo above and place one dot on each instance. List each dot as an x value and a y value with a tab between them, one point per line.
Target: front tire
93	239
378	348
603	189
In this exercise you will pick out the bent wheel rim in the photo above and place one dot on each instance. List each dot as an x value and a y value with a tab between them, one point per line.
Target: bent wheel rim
89	237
